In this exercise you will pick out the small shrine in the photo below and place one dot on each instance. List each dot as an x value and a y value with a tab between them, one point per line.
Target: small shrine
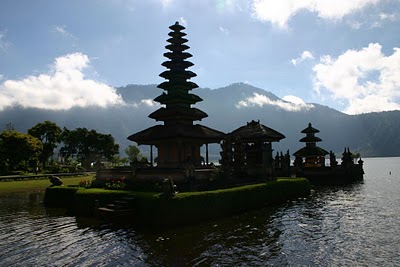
249	150
310	163
313	155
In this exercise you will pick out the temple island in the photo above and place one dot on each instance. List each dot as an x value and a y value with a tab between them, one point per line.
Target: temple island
179	162
246	152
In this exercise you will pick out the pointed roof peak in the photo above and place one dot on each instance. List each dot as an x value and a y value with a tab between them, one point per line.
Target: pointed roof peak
177	27
310	129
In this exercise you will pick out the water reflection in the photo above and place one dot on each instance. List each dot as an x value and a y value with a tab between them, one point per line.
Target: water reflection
353	225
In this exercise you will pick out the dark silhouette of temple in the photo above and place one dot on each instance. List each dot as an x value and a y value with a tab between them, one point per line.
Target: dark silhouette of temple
313	155
178	140
246	153
310	163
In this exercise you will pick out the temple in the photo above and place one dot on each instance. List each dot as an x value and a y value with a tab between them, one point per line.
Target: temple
178	140
179	151
311	154
310	162
251	149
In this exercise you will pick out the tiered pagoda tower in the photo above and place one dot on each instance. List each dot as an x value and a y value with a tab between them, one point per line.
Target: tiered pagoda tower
178	140
314	156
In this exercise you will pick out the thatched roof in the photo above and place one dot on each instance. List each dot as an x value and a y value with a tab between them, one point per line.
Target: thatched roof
310	129
254	131
314	151
310	139
198	133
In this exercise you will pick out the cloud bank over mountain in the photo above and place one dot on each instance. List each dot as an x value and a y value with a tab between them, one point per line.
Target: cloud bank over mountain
290	103
62	88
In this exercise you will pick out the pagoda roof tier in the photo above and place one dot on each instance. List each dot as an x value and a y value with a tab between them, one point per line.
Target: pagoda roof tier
177	74
177	65
314	151
177	48
173	85
161	133
177	34
310	129
256	132
177	41
310	139
178	113
177	55
177	27
178	98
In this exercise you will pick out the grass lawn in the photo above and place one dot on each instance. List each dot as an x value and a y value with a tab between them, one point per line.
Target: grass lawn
38	185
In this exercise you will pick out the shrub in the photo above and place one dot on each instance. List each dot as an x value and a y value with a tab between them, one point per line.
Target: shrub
116	184
86	183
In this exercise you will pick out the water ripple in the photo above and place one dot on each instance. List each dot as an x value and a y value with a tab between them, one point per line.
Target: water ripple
336	226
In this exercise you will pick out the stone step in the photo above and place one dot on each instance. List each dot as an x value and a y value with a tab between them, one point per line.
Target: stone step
104	209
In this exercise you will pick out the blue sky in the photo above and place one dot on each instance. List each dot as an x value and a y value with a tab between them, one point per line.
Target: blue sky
342	53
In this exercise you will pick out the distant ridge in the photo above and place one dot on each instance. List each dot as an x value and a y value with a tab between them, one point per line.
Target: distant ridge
371	134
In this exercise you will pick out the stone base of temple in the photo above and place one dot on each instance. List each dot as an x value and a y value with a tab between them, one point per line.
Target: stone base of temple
338	175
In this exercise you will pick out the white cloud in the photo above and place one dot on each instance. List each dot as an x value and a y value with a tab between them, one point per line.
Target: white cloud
166	3
4	44
62	88
294	99
183	21
279	12
63	31
366	78
261	100
148	102
384	18
224	30
390	17
304	56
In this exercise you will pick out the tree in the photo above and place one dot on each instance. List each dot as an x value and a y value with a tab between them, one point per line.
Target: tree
19	151
133	153
88	146
49	134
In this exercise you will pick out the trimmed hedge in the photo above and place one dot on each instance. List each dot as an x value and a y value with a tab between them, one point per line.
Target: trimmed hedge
190	207
186	208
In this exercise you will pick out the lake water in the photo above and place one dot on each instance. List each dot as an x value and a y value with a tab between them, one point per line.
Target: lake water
357	225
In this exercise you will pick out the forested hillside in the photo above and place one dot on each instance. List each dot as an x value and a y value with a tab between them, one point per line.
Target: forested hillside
373	134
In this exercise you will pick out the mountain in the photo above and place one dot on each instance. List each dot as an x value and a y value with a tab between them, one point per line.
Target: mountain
372	134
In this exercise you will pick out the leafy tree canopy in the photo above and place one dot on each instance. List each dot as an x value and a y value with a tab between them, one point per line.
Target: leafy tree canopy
49	134
18	150
133	153
88	146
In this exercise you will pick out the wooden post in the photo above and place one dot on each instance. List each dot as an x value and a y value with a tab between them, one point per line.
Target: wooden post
151	155
207	154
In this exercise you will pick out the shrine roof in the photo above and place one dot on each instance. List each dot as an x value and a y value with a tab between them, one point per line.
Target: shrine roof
178	98
310	139
311	152
162	114
310	129
255	132
200	133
